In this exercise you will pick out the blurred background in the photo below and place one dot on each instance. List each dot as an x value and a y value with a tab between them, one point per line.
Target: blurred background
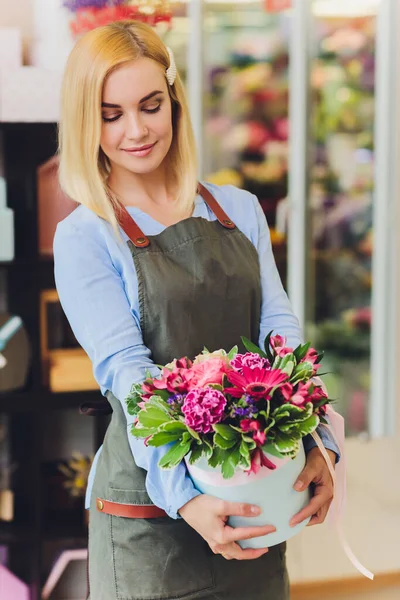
297	102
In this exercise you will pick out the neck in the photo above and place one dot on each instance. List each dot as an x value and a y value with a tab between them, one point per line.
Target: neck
134	189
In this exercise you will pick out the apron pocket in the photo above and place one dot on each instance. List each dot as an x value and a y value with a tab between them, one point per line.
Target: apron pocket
157	559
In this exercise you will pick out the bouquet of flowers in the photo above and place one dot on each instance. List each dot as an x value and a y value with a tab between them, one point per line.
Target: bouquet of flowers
95	13
236	410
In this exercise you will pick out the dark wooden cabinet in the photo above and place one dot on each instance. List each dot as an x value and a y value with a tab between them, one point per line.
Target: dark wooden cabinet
42	426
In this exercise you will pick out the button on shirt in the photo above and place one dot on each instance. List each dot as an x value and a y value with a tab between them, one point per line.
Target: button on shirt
97	284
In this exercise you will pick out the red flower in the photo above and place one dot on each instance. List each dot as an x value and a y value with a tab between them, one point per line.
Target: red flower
175	382
254	425
278	344
258	460
256	382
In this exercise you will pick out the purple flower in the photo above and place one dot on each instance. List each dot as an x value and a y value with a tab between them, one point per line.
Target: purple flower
74	5
250	360
202	408
176	401
246	411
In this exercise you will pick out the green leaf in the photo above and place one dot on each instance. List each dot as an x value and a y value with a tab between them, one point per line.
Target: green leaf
320	356
142	432
235	456
286	444
270	449
250	347
158	402
208	447
226	431
301	351
302	372
196	453
288	414
270	425
307	426
186	437
193	433
174	456
163	394
231	461
217	457
245	454
267	410
288	364
173	427
223	443
152	417
232	353
267	347
249	441
161	438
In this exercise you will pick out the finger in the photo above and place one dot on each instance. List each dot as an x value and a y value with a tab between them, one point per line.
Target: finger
306	477
238	509
234	534
235	552
322	495
320	517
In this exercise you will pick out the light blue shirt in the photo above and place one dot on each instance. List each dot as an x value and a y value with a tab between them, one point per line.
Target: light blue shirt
98	289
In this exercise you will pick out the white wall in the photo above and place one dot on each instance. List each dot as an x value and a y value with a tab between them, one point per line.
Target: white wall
18	13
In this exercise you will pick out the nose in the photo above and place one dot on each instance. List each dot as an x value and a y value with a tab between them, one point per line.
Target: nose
136	129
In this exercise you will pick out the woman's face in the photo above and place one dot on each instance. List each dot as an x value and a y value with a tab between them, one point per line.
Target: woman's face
137	117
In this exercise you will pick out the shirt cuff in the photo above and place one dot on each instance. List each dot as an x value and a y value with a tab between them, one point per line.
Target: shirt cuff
172	511
327	441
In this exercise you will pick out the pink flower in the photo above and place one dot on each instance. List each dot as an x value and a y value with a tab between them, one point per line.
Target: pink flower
311	356
303	394
250	359
258	460
207	372
286	390
278	344
256	382
202	408
176	382
248	425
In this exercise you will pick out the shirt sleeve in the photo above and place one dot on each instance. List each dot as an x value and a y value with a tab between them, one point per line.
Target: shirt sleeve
93	297
277	314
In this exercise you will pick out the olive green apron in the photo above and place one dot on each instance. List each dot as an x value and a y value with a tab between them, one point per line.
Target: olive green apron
199	285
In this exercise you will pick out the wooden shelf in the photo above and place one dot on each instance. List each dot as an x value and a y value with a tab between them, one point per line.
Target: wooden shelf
44	400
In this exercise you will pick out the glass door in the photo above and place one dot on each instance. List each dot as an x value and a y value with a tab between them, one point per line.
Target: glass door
246	106
298	106
344	218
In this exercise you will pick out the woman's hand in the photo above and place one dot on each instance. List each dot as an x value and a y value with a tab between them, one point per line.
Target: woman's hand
315	472
209	516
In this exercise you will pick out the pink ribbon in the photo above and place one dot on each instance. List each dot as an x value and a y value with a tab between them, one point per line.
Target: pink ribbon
339	485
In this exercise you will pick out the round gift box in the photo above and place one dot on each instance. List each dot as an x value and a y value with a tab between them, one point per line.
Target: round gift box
271	490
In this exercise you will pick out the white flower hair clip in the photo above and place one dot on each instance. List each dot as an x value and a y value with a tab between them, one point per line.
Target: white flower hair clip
171	72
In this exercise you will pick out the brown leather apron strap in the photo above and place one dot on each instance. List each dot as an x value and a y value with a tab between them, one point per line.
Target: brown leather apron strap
129	511
215	207
137	236
131	229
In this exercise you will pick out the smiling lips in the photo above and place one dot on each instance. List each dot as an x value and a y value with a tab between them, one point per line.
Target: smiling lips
141	151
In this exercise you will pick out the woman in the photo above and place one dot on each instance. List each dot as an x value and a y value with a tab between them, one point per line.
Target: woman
150	267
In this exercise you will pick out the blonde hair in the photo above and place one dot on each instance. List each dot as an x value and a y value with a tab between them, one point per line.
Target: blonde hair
84	168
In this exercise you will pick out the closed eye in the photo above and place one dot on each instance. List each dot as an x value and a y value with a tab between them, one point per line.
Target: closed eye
111	119
152	110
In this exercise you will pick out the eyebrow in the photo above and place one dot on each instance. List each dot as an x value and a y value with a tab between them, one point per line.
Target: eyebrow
148	97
